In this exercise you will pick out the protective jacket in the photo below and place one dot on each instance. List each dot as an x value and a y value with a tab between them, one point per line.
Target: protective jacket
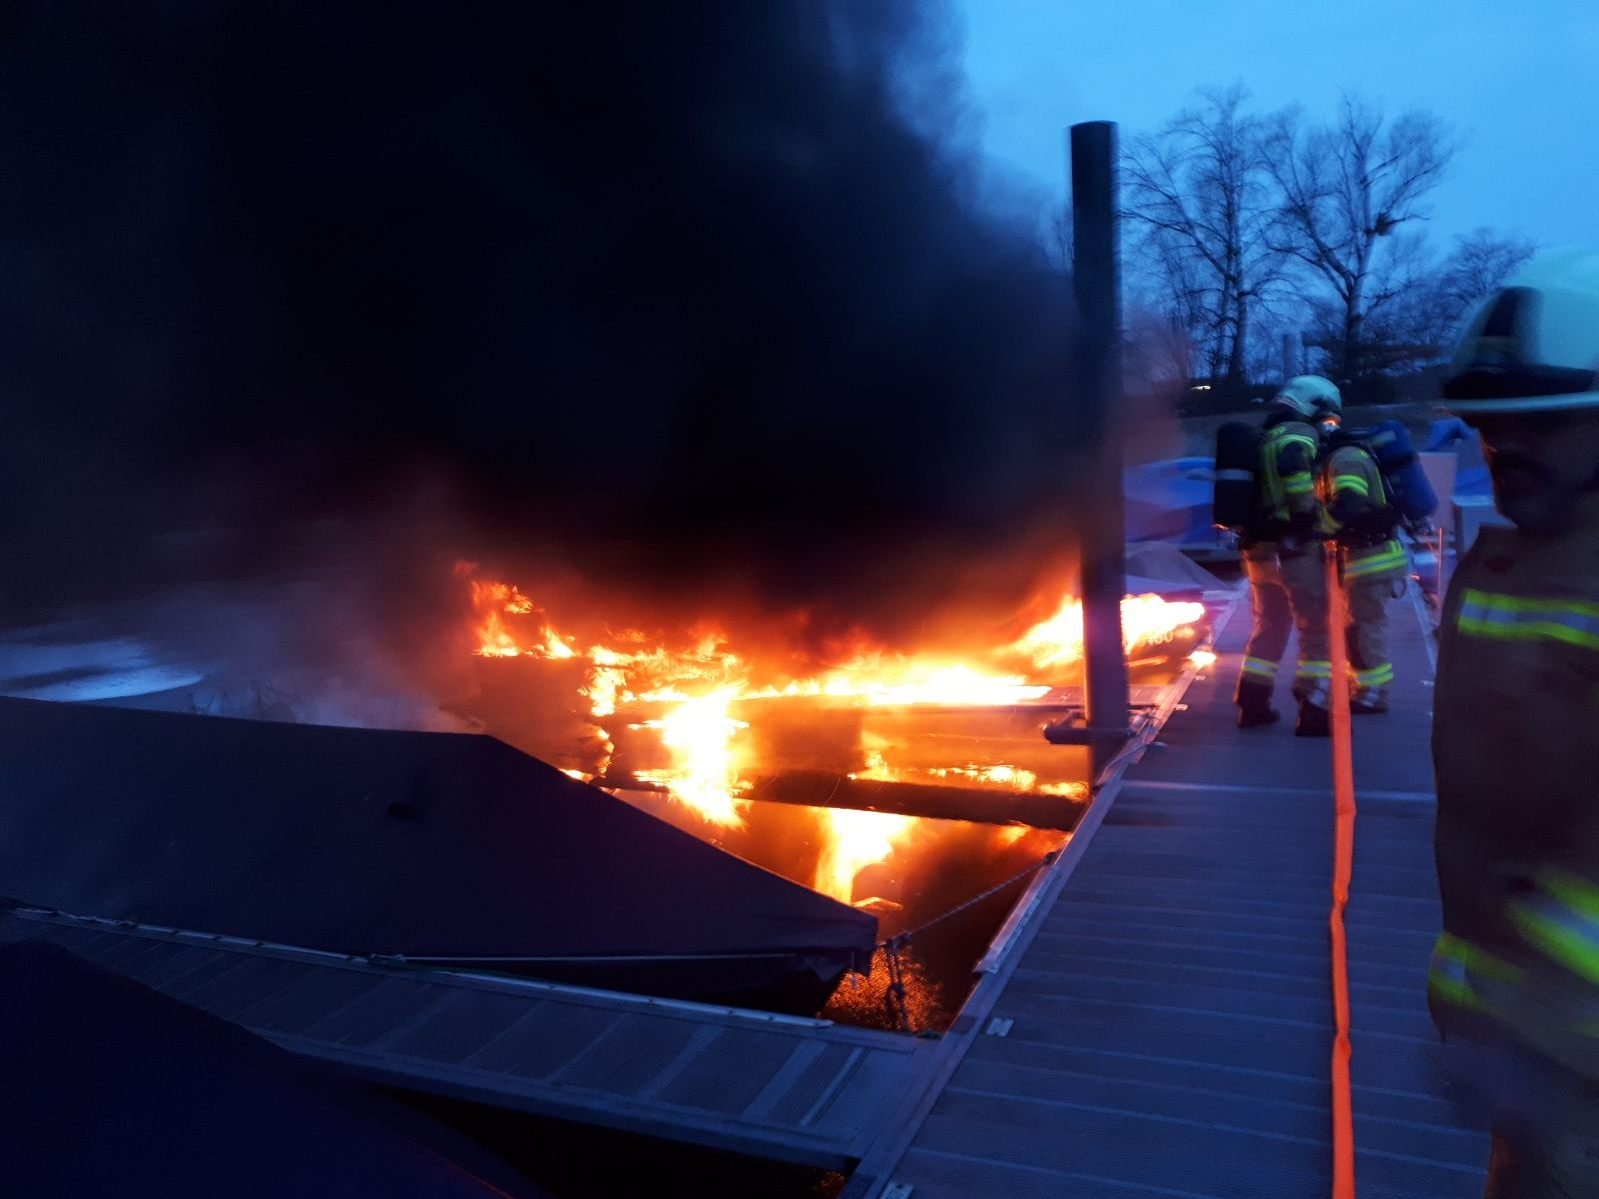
1516	753
1286	510
1360	516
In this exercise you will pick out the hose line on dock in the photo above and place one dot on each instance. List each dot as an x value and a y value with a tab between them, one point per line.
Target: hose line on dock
1343	775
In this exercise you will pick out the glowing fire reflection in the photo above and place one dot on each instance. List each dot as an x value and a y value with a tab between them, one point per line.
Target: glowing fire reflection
858	840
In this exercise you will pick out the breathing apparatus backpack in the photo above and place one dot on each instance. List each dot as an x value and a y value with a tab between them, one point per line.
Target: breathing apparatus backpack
1409	492
1235	498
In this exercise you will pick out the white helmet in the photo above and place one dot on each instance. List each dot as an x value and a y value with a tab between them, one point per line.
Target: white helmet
1533	346
1312	396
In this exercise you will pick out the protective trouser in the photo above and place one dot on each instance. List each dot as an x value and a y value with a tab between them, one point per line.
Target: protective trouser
1286	591
1368	633
1544	1118
1519	1037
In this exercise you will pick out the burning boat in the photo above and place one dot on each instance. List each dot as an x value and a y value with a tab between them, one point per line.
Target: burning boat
583	840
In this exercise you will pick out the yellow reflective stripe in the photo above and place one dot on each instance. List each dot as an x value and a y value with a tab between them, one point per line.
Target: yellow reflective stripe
1518	603
1279	489
1353	483
1514	618
1260	666
1454	962
1376	676
1561	935
1388	560
1314	669
1562	922
1529	631
1447	981
1572	891
1281	436
1387	548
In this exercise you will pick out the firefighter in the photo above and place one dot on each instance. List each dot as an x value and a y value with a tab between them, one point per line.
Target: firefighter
1514	984
1360	518
1282	558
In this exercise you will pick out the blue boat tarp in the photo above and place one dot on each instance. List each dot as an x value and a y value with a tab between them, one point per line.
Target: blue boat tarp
1170	500
424	845
1453	435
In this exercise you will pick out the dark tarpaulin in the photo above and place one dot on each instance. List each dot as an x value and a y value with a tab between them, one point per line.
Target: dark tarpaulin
420	844
113	1089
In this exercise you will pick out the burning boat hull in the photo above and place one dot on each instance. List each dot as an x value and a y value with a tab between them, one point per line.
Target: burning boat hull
444	849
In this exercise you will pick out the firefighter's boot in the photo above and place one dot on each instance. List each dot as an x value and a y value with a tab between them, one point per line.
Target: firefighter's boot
1254	705
1369	701
1314	720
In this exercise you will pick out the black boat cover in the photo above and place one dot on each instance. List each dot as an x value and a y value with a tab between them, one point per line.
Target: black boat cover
113	1089
425	845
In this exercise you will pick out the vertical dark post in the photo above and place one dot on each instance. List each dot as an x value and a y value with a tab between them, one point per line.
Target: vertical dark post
1096	278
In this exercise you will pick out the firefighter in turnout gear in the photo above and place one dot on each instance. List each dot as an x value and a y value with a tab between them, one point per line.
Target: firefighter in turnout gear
1360	517
1282	556
1514	984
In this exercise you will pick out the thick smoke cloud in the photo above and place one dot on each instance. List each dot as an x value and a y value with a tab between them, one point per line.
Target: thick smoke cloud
670	293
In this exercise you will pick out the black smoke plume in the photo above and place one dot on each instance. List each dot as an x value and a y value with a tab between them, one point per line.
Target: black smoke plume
681	296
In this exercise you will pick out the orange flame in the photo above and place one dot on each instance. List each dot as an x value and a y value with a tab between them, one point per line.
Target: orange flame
702	683
1146	620
492	602
699	732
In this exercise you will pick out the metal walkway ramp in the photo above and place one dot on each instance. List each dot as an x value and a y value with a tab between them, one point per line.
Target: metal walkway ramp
793	1089
1165	1027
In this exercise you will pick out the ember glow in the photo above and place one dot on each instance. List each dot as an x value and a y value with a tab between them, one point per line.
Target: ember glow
702	702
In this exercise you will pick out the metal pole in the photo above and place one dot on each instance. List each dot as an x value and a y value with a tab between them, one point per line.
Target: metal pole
1096	280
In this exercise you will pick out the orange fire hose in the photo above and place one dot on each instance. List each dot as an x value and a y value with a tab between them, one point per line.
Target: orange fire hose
1343	772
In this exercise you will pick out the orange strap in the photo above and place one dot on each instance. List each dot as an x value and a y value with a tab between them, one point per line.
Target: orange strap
1343	772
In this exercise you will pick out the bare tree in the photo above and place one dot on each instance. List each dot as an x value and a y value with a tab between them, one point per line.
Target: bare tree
1200	193
1479	263
1346	189
1419	325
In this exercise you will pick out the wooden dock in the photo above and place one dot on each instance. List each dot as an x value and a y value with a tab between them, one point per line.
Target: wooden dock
781	1087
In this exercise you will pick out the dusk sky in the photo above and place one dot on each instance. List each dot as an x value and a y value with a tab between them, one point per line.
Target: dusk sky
1517	80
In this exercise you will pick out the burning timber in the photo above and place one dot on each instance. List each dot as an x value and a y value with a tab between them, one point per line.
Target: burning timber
937	732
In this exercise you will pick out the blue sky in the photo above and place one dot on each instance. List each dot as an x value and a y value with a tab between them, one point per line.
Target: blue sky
1520	80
